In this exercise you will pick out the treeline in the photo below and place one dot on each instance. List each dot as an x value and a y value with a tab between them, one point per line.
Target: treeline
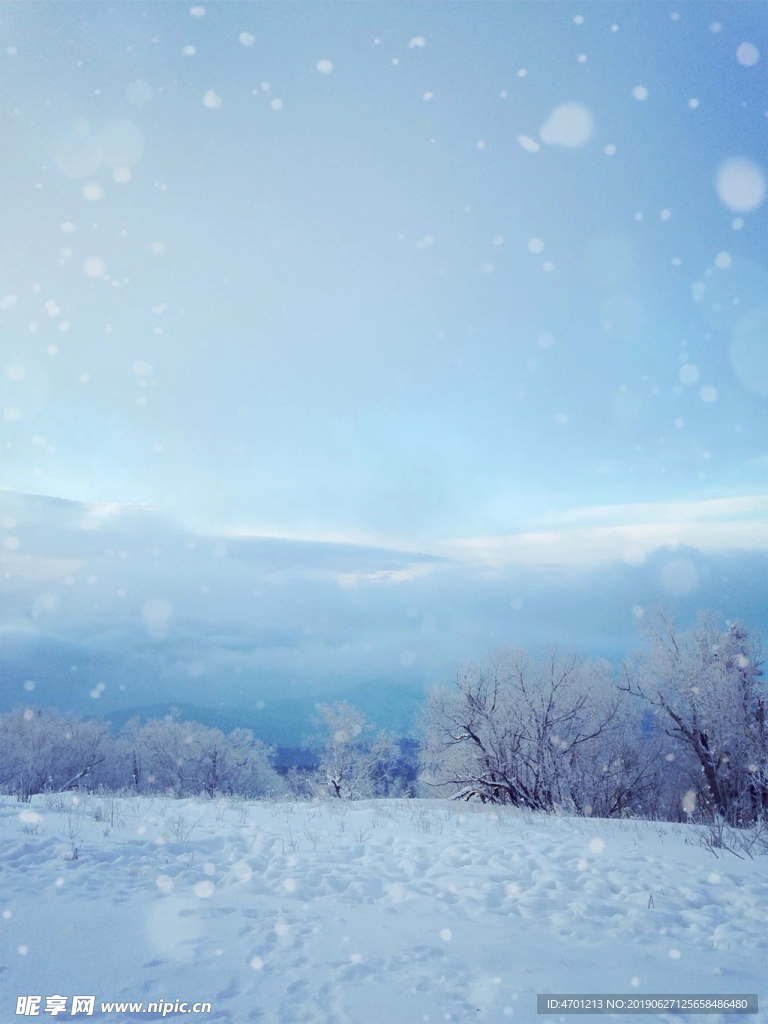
45	750
678	732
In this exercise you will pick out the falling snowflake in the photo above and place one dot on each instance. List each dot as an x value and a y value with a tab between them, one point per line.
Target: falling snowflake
740	184
242	871
93	190
679	576
94	267
747	54
139	92
568	125
688	373
156	614
748	351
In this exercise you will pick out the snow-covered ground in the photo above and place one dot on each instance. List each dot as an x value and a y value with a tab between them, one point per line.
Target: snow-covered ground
375	913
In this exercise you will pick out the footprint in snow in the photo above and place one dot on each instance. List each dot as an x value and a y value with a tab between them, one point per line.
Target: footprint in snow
231	990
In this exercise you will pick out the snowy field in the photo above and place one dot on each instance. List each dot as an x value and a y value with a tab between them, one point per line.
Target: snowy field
375	913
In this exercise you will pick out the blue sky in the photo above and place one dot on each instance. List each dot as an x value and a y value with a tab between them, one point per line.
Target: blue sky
485	282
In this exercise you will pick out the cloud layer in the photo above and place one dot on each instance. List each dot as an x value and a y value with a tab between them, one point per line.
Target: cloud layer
117	606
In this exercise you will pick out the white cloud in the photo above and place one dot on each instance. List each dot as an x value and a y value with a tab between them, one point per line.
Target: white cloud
664	511
627	533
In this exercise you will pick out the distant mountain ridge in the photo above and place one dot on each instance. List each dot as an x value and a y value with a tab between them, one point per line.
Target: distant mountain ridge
286	723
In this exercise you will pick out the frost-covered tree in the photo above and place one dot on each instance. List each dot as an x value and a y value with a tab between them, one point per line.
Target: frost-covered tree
45	750
168	754
188	758
237	763
705	688
621	772
352	762
518	732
